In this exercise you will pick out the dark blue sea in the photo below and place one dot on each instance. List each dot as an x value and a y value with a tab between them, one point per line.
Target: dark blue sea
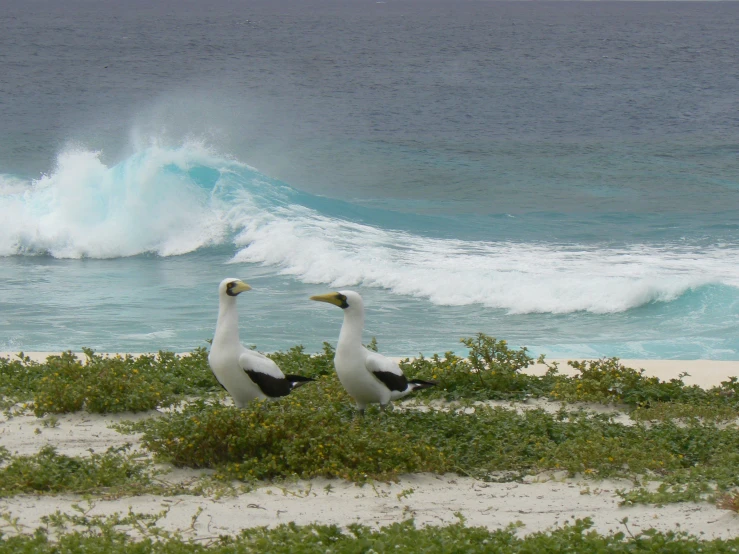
562	175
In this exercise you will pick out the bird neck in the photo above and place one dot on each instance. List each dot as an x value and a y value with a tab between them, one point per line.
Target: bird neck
351	331
227	327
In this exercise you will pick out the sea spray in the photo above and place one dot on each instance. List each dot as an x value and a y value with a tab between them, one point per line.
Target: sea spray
173	201
147	203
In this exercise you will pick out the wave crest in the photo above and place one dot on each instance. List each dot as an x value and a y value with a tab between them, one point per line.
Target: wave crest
520	278
178	200
151	202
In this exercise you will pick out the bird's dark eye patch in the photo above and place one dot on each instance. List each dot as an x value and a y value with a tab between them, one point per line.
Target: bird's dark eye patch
229	288
344	303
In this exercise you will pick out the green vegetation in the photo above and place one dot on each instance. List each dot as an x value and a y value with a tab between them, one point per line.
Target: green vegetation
114	472
305	435
298	361
683	436
607	381
491	371
65	384
110	536
316	432
494	371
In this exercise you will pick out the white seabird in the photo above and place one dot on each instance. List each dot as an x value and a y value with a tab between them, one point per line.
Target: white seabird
245	374
368	377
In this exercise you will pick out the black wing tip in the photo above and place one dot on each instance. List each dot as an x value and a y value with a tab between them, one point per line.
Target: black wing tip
297	380
392	380
421	384
275	387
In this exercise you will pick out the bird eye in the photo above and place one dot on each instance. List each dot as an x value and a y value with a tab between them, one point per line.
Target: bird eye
229	288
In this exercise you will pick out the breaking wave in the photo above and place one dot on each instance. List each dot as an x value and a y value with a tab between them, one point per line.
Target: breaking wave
173	201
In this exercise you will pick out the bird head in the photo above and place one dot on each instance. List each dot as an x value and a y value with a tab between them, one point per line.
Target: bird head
232	287
345	299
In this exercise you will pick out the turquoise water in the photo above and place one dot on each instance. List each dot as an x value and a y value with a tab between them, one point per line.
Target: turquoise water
563	176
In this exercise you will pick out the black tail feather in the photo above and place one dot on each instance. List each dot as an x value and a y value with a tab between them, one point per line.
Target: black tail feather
421	384
298	380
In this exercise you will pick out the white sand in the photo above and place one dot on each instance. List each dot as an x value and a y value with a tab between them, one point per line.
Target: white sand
705	373
433	499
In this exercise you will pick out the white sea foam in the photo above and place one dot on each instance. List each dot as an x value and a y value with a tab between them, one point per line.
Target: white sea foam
87	209
166	334
10	184
174	201
520	278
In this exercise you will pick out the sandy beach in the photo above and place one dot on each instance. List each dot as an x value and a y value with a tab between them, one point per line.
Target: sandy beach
540	502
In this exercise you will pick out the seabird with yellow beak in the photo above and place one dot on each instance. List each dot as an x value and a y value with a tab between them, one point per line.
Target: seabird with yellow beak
245	374
368	377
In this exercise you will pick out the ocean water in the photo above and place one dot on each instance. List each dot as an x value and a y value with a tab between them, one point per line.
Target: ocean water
562	175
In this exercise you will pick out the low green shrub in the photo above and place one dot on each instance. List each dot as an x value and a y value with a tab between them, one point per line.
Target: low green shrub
308	433
492	370
115	470
109	537
100	385
297	361
679	411
316	431
19	377
665	493
608	381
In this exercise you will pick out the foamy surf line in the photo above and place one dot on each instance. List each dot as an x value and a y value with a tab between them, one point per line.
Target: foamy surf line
175	201
520	278
704	373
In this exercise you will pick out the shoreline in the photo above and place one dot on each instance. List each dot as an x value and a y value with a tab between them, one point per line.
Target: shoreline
704	373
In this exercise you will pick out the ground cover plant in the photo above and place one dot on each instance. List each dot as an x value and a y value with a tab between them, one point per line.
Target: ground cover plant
100	384
318	433
682	435
308	433
112	535
492	370
116	471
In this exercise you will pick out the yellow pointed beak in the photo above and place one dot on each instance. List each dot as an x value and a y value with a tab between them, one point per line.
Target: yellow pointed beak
240	286
332	298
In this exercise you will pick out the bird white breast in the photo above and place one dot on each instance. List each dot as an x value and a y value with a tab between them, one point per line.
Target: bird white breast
225	365
361	385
